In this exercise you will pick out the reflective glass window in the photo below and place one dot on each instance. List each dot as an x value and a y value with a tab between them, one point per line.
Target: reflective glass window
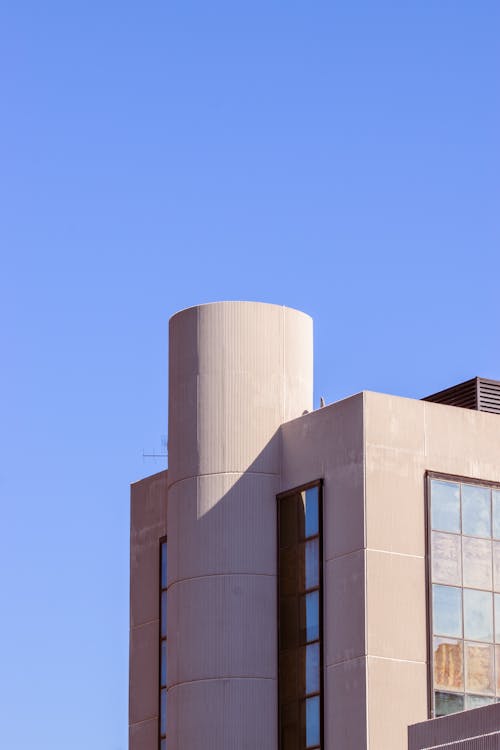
448	664
312	517
476	510
446	558
163	646
312	616
496	566
478	615
474	701
163	711
495	501
448	703
163	666
163	616
447	611
497	617
477	563
479	668
312	722
312	563
312	668
445	506
164	565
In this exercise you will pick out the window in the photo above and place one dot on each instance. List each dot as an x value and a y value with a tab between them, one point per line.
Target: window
163	646
300	619
464	565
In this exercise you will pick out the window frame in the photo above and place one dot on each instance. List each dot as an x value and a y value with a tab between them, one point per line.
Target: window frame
441	476
161	639
319	484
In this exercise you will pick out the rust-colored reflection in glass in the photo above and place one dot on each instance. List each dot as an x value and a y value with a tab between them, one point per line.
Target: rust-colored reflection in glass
477	563
446	558
448	664
479	668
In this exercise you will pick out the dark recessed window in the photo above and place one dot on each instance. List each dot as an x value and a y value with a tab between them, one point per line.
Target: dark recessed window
163	646
464	552
300	619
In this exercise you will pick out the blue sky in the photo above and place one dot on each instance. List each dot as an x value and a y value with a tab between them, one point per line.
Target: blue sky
339	157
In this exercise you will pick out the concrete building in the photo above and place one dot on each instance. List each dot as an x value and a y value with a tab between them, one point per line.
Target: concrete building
330	575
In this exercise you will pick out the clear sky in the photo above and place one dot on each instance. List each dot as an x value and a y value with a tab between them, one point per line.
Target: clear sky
342	157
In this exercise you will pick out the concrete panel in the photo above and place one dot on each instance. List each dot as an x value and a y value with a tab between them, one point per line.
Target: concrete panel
394	422
144	655
328	444
298	356
143	736
395	510
462	441
397	697
396	606
148	523
345	707
226	713
344	598
222	626
230	522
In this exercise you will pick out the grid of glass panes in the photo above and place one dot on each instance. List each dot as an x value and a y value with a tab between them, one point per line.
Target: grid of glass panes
465	571
163	645
300	591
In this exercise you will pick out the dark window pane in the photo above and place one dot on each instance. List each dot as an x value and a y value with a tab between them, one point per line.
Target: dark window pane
163	669
163	616
312	564
291	570
291	688
290	509
164	565
448	703
312	668
445	506
448	664
312	516
476	512
496	513
312	722
291	731
163	711
478	615
474	701
447	610
310	617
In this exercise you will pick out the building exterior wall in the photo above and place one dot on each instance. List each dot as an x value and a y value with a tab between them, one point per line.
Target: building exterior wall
237	371
478	729
148	524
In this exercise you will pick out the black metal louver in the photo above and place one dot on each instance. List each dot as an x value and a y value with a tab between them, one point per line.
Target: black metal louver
478	393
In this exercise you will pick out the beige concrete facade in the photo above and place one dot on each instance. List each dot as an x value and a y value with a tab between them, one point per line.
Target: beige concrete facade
241	430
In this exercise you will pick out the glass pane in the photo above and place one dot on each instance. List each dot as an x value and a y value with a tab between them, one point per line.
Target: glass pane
477	563
292	611
312	721
291	570
312	518
291	730
312	617
476	519
497	617
447	610
478	615
446	558
163	745
479	668
163	670
445	506
164	565
448	664
312	668
312	564
163	616
474	701
448	703
163	711
496	566
290	508
496	513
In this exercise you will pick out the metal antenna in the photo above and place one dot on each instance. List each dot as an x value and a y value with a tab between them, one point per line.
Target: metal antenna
155	455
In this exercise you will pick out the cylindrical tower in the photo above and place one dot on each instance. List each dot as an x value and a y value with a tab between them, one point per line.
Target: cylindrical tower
238	370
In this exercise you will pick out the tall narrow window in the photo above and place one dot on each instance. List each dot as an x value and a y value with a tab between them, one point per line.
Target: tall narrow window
300	619
163	645
464	603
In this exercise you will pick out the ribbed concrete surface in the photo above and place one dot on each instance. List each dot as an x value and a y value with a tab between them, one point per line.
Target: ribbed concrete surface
478	729
238	370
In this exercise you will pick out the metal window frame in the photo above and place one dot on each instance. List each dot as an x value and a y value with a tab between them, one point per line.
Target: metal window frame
319	483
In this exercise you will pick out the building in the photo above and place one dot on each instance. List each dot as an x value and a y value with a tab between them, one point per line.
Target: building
330	575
